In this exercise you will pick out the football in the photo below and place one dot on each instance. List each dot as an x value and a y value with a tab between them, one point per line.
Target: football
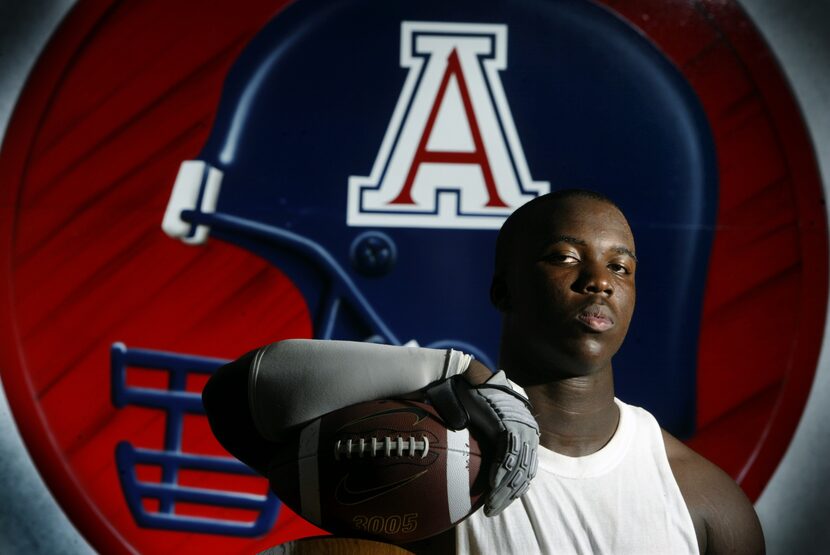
387	469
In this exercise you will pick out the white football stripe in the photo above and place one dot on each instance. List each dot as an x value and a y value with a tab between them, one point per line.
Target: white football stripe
458	474
308	472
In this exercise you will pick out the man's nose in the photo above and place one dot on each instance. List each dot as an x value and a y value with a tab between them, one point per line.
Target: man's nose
595	279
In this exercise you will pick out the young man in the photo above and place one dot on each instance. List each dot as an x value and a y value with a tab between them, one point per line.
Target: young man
609	479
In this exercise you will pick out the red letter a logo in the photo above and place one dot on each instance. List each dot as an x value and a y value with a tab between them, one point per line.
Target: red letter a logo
477	156
451	156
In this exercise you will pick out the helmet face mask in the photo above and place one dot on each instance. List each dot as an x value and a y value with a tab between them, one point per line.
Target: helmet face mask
177	402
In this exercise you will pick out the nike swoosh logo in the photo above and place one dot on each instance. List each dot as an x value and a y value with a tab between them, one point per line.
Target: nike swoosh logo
347	496
418	412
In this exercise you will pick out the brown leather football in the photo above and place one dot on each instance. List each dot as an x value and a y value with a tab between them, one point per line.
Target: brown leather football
387	469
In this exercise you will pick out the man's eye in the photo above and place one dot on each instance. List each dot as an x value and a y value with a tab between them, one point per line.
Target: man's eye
618	268
561	258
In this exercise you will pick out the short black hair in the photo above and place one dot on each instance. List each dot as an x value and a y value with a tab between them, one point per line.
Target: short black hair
513	224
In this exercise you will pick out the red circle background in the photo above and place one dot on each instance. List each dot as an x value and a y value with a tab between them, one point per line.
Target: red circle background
122	95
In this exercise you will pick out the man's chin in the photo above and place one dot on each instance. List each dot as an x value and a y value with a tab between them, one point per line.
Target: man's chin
541	363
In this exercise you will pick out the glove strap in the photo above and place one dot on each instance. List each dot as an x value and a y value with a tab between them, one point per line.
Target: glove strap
499	381
445	399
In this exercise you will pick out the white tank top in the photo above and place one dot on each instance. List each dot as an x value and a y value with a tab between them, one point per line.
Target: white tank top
622	499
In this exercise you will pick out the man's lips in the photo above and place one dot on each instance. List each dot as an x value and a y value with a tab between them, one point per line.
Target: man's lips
596	317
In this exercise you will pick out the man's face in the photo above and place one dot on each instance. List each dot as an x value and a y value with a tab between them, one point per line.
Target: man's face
568	296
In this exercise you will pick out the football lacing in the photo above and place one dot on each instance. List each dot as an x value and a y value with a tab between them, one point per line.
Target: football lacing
387	446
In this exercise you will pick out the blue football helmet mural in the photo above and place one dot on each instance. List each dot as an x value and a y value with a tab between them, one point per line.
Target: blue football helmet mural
326	93
370	151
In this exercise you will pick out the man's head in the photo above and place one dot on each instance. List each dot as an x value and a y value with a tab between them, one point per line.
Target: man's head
564	282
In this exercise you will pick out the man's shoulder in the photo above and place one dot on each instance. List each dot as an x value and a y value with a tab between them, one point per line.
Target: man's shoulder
723	516
685	460
697	477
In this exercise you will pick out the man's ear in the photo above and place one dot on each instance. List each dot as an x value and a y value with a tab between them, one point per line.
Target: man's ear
499	295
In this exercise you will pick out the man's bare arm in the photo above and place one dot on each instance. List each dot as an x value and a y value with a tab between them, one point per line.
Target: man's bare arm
725	520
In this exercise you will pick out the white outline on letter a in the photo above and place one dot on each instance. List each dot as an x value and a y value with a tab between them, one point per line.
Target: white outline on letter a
451	157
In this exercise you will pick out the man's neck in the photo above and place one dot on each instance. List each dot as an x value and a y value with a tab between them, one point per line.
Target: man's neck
577	415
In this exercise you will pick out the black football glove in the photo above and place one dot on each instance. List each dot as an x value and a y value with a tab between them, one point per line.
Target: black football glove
502	418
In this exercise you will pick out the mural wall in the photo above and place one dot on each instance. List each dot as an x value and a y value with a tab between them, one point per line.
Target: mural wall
172	200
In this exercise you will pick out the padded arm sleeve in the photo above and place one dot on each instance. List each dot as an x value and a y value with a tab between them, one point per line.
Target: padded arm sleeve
294	381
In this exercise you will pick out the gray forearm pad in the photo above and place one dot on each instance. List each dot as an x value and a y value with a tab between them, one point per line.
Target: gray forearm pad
297	380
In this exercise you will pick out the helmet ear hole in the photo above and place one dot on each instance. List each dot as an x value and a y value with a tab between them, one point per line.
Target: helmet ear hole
373	254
